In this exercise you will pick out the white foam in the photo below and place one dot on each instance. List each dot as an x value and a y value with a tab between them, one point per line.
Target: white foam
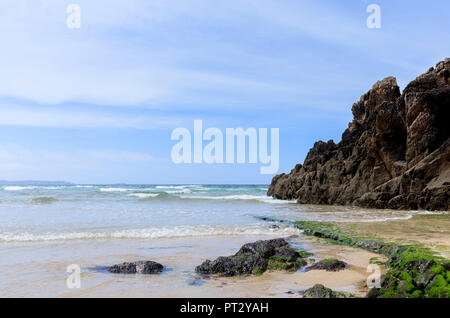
174	187
409	216
378	219
179	191
432	212
157	232
143	195
369	216
115	189
17	188
261	198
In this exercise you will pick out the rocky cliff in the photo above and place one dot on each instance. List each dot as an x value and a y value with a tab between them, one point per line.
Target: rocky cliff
394	154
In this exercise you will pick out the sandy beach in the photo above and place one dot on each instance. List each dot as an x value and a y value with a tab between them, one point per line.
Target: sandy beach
181	227
43	271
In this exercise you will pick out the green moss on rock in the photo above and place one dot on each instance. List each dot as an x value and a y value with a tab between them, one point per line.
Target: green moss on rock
320	291
413	271
329	264
255	258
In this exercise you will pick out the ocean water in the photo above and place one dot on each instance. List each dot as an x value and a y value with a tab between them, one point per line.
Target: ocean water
49	213
44	229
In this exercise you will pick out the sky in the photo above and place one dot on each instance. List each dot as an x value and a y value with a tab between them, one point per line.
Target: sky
98	104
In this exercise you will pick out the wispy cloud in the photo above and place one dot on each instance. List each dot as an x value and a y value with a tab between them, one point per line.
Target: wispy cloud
101	97
61	117
163	54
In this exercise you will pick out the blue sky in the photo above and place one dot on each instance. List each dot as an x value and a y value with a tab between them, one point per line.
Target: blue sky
98	104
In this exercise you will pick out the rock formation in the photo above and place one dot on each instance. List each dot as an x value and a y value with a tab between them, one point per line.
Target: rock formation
329	265
255	258
320	291
394	154
139	267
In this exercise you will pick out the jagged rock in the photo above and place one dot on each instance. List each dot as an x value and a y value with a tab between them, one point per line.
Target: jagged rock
255	258
320	291
394	154
329	264
139	267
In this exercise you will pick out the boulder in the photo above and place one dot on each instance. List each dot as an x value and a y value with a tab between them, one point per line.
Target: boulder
320	291
139	267
329	264
255	258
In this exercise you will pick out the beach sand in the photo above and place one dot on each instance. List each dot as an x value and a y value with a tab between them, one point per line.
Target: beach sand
44	273
38	269
428	230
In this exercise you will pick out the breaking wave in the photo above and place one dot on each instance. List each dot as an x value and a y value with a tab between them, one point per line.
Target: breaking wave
157	232
144	195
240	197
116	189
18	188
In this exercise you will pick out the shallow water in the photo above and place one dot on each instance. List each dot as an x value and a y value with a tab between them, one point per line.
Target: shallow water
30	269
40	213
43	229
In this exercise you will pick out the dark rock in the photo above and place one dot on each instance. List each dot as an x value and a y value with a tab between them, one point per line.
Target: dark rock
255	258
394	154
329	264
290	292
288	254
263	248
139	267
320	291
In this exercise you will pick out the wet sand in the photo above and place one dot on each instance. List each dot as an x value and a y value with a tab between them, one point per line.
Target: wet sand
431	231
281	284
39	269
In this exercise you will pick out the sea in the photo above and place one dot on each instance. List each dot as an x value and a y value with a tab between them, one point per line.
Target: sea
44	229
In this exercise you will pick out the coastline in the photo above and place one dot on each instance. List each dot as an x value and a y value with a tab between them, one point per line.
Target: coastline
46	272
413	269
45	275
182	226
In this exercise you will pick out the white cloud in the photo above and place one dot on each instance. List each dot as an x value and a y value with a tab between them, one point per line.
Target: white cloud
54	117
142	52
118	57
167	53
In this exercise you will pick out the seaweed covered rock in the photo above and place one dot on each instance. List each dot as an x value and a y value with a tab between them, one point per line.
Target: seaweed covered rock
394	154
329	264
414	274
320	291
139	267
255	258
